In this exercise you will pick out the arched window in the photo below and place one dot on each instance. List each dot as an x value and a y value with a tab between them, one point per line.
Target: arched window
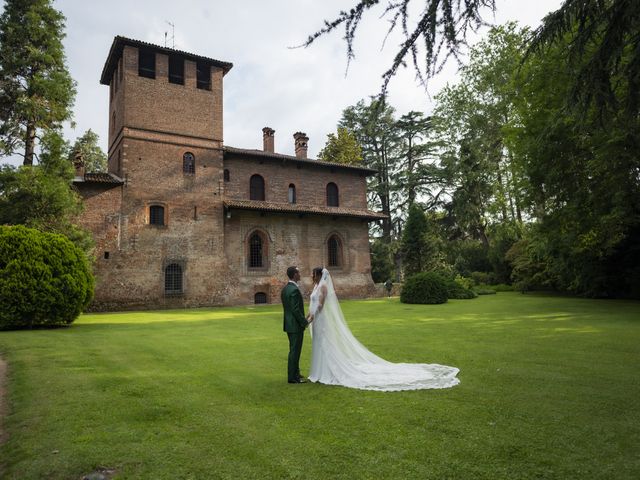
227	176
332	195
256	188
334	250
292	193
260	297
188	163
156	215
256	251
173	279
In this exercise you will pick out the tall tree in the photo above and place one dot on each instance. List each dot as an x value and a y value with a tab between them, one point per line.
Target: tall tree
342	147
95	160
374	127
418	173
36	91
473	120
582	175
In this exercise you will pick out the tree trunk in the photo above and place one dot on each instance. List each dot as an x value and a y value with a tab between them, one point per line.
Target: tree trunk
29	143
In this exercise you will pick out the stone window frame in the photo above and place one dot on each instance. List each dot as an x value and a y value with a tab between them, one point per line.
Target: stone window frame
253	189
188	165
181	265
165	208
332	197
341	256
292	194
265	244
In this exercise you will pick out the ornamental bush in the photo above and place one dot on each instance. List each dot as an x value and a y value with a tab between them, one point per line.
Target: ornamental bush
425	287
457	288
45	280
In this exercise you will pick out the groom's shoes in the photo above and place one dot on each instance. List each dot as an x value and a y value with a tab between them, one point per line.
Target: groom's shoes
299	380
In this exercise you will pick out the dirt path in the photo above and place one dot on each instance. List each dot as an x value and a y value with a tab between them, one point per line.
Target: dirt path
3	398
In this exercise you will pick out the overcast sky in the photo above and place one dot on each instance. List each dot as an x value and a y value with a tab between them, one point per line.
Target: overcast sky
270	84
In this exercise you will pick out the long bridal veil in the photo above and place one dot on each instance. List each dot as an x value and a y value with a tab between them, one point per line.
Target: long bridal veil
340	359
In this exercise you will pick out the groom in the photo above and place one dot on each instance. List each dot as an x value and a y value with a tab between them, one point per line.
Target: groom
294	323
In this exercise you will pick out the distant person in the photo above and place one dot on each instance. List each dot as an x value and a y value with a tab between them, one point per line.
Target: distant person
294	323
388	285
338	358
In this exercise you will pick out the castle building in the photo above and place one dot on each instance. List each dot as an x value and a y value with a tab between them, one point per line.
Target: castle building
182	220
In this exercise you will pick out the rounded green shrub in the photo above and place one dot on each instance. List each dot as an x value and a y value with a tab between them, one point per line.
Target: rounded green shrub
426	287
457	289
45	280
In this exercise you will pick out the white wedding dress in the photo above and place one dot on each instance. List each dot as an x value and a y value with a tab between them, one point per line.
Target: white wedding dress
338	358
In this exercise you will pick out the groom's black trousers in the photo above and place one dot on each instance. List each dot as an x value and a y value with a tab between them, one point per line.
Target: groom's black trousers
295	349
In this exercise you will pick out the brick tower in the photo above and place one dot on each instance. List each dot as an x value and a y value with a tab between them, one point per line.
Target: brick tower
165	144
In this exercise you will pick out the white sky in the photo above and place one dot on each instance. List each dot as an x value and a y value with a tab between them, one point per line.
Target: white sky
270	84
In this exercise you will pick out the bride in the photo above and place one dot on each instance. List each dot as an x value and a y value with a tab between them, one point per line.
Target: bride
338	358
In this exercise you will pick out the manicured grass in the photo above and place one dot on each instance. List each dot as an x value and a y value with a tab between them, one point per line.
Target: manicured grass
549	390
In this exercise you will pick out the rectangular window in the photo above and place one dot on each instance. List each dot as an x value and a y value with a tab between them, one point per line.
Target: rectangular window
203	73
156	215
146	63
176	70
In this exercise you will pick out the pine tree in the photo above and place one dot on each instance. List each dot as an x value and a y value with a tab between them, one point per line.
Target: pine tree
414	242
36	89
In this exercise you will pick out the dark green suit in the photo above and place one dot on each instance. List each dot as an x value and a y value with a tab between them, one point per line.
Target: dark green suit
294	325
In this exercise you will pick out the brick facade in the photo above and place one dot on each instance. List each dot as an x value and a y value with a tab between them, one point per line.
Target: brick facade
166	237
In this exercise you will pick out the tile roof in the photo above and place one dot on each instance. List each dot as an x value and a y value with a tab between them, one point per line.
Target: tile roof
290	158
100	177
119	42
299	208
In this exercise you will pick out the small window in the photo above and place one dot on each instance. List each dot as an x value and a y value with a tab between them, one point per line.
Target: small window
256	188
176	69
260	298
106	255
173	279
292	193
119	165
255	251
188	163
334	252
203	74
156	215
227	177
146	63
332	195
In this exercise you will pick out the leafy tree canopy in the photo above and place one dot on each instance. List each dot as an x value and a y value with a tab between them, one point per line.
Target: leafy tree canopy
95	160
36	91
342	147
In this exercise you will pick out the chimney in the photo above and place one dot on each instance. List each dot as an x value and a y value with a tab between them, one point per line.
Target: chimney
78	163
267	139
301	141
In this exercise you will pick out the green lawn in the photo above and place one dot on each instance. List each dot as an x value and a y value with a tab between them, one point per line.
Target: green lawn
549	389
